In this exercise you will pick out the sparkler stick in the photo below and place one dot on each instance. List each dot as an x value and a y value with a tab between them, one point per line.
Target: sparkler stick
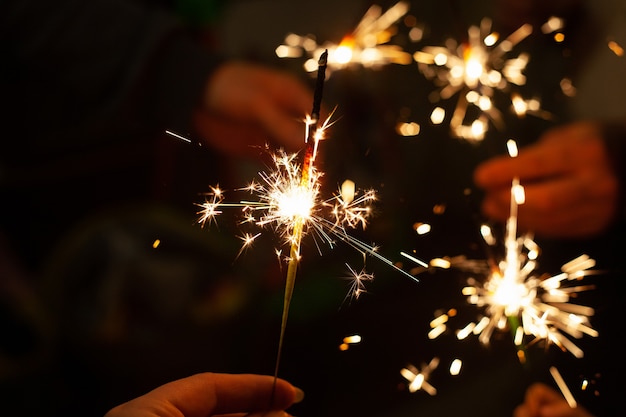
305	182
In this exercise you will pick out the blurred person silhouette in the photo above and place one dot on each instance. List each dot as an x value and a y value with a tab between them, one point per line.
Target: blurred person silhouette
90	180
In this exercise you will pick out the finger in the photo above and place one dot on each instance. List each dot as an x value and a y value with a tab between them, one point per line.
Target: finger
559	408
566	207
558	151
210	393
272	413
275	413
533	162
538	395
574	132
521	411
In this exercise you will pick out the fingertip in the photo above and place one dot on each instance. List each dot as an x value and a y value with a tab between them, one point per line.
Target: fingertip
299	395
273	413
286	394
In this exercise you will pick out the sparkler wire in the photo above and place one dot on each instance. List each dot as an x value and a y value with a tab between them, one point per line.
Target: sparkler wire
296	234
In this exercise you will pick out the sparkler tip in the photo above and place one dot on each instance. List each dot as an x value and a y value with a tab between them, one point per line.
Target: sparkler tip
323	58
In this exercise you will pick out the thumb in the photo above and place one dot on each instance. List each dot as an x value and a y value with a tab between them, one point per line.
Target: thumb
273	413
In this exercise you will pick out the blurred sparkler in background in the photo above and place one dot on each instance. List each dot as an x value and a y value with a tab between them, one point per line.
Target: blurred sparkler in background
368	45
516	297
474	71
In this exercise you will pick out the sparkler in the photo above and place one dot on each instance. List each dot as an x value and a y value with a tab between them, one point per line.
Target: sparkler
475	70
515	296
366	45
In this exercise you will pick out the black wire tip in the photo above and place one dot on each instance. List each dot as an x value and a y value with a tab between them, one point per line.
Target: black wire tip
319	86
323	58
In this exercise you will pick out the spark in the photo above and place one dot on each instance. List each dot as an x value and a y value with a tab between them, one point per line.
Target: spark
348	341
357	282
278	199
422	228
210	206
418	379
616	48
176	135
247	239
514	296
408	128
475	71
414	259
366	46
455	367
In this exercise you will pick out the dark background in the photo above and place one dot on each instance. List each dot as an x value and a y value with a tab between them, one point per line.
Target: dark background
103	317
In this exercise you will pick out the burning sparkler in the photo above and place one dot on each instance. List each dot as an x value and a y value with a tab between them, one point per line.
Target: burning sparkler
288	200
516	297
474	71
367	45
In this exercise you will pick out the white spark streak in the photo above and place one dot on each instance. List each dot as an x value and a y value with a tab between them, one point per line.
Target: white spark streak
563	387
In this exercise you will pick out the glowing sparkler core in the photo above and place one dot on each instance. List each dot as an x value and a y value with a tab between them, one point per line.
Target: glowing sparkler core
366	45
292	203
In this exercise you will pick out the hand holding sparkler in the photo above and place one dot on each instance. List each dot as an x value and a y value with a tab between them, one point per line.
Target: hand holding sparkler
570	184
543	401
212	394
245	106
